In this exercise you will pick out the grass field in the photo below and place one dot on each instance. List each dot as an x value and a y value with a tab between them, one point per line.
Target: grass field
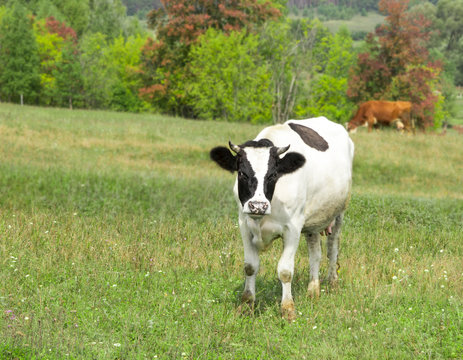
119	240
357	23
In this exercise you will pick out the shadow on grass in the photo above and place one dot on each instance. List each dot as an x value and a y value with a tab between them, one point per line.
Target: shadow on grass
269	291
268	297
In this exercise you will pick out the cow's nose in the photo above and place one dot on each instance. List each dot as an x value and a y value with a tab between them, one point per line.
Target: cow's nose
258	207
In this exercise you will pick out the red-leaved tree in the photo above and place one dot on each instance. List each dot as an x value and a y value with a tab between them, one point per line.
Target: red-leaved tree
397	65
54	26
178	24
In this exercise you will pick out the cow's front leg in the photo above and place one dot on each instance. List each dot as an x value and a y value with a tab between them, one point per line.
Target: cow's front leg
315	255
251	268
286	272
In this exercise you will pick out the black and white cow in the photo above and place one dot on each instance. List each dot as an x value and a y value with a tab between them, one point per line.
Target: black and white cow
282	193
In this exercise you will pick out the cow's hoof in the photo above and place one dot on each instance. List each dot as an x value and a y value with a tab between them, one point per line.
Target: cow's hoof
246	309
288	311
247	297
314	288
247	304
332	281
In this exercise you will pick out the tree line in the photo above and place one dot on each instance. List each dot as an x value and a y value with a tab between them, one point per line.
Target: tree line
241	60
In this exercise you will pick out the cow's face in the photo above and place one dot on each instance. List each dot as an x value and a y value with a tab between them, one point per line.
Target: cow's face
351	127
259	167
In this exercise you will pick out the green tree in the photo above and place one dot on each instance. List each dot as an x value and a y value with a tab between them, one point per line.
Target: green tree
98	70
110	72
230	80
449	20
293	49
53	37
49	47
178	24
68	77
46	8
126	54
450	16
328	89
19	62
76	12
107	17
2	12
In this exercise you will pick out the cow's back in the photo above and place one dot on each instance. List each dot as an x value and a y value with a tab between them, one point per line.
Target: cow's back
388	111
322	185
404	106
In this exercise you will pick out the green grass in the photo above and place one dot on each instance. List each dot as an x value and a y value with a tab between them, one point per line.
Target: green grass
357	23
119	240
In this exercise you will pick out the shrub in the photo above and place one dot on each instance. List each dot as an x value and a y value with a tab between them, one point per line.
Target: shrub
229	79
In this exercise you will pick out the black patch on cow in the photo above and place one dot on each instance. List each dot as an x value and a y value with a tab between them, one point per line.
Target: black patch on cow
272	175
257	144
278	167
290	163
310	137
247	181
224	158
249	269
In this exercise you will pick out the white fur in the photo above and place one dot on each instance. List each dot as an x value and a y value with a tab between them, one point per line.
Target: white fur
307	200
258	157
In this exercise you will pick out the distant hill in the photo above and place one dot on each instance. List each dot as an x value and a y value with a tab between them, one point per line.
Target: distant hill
141	6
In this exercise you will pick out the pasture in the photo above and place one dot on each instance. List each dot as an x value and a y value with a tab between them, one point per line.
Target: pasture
119	240
358	23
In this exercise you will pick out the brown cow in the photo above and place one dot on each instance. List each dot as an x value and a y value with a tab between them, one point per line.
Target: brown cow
382	112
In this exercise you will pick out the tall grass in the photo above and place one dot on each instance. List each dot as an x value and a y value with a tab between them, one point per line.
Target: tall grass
119	240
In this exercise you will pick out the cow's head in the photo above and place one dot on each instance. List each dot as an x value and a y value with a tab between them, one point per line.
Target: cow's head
351	127
259	167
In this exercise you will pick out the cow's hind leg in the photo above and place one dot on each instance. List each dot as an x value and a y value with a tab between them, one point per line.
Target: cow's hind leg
333	249
315	255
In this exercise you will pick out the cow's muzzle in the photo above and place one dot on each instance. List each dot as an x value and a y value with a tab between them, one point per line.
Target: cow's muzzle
258	207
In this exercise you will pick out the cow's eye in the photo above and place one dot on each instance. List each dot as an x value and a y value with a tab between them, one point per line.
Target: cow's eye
242	175
272	176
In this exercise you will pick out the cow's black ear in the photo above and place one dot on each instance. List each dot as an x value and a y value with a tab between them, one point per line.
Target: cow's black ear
290	163
224	158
